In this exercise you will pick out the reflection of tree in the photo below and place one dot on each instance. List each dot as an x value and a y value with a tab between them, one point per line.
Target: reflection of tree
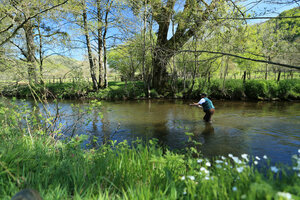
161	132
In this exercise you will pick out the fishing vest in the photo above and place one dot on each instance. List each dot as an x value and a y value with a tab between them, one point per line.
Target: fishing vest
207	105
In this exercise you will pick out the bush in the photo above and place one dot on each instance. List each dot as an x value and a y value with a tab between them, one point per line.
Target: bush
256	88
234	88
154	93
215	89
289	88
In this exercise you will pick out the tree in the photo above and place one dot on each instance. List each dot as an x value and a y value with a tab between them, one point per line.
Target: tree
17	15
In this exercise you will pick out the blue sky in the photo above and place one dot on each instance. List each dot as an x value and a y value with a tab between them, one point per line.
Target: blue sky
260	10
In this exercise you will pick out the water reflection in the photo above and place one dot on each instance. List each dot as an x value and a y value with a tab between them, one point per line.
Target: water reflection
257	128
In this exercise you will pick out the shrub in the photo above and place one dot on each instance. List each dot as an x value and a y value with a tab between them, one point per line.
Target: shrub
153	93
215	89
289	88
234	88
256	88
272	89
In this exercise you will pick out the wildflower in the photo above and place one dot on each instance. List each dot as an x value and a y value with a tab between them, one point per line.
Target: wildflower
184	193
191	177
226	163
218	166
296	168
240	169
274	169
236	160
208	164
285	195
265	157
298	150
199	160
183	178
223	158
245	156
255	162
257	158
230	155
234	189
243	196
219	161
206	177
204	170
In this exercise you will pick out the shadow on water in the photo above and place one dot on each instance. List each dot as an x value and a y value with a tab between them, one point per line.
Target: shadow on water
255	128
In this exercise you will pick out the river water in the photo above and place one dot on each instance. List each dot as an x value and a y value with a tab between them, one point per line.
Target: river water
255	128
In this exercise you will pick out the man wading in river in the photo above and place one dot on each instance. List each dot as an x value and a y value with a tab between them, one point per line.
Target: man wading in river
207	106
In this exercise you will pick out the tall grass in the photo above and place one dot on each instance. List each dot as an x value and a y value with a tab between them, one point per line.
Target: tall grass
216	88
251	89
60	169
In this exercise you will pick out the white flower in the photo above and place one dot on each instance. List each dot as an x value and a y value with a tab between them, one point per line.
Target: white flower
191	177
274	169
208	164
204	170
226	163
206	177
236	160
240	169
265	157
245	156
255	162
234	189
230	155
257	158
223	158
243	196
184	193
218	166
298	150
219	161
296	168
285	195
183	178
199	160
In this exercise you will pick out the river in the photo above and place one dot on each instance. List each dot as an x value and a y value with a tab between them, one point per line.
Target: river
255	128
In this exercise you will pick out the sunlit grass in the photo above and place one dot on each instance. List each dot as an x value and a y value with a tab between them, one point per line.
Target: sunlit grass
64	171
61	169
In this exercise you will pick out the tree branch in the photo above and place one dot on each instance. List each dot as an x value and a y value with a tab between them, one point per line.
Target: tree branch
27	19
245	58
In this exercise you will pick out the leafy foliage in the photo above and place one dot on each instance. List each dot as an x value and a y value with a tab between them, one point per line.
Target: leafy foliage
61	169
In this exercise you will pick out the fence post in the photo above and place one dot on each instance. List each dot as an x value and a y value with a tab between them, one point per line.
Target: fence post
278	78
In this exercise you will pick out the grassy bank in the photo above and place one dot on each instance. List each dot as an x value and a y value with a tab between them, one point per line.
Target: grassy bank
31	157
230	89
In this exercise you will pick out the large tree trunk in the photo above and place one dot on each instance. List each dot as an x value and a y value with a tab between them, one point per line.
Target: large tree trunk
166	48
108	7
88	44
100	43
159	61
41	55
28	28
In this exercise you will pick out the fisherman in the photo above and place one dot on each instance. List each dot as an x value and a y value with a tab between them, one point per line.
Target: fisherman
207	106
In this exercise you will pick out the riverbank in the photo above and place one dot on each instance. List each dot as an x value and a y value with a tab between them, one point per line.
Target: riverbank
232	89
31	157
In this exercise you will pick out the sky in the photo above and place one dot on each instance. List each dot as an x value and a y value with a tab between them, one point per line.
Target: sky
260	10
